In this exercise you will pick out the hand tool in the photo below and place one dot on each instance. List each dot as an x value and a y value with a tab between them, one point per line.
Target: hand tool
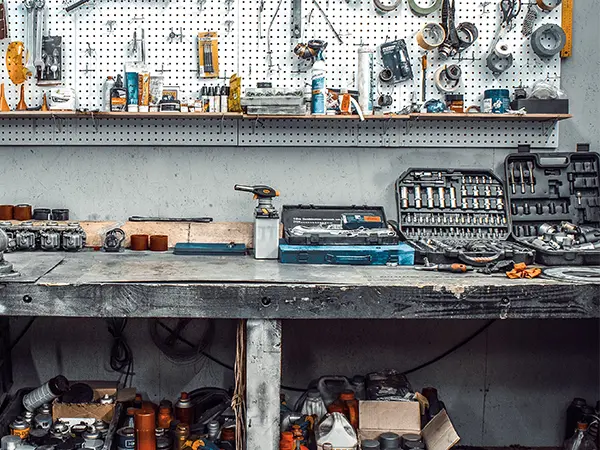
452	268
500	204
488	191
404	196
567	25
430	199
513	185
296	19
539	208
424	78
526	209
475	191
170	219
579	198
442	197
418	200
486	204
522	178
464	204
452	197
552	208
475	203
531	180
337	36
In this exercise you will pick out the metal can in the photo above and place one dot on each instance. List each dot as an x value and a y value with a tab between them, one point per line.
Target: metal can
43	420
20	428
126	438
107	400
78	429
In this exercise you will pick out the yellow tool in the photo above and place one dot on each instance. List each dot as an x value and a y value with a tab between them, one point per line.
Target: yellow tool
567	25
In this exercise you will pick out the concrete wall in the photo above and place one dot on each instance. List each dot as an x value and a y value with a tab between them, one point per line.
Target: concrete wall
510	385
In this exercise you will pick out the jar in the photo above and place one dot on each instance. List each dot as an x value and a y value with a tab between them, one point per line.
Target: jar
455	102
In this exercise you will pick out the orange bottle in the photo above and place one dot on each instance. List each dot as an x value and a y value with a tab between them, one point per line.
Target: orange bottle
349	400
164	417
145	424
287	441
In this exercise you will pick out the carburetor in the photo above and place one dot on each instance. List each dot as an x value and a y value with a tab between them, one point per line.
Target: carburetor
47	236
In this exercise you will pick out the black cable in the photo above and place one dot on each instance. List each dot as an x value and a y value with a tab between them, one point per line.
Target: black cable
452	349
23	332
295	389
166	345
121	356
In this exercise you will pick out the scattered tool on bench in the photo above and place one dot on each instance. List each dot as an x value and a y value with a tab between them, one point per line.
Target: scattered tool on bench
171	219
452	268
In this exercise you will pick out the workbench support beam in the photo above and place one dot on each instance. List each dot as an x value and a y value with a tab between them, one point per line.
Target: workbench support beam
263	383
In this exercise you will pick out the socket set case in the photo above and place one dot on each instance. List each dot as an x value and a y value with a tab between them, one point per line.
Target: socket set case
322	225
554	201
456	215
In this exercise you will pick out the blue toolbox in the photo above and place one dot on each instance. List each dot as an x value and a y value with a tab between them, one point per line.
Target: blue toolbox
348	235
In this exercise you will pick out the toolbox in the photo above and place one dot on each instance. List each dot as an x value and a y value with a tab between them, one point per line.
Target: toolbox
456	215
554	201
336	225
367	255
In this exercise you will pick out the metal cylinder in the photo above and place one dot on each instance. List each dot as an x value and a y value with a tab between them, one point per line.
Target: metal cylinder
145	438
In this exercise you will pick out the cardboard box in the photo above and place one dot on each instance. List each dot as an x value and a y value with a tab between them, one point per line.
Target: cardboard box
71	411
376	417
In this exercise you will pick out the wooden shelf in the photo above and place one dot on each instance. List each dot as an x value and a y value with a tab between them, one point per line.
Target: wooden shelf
166	115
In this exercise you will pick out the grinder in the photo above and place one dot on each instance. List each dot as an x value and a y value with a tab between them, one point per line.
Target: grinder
266	221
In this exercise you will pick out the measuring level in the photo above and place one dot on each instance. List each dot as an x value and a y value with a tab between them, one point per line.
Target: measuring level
567	25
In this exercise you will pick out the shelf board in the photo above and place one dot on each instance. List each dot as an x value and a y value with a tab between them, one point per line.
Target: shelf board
164	115
482	116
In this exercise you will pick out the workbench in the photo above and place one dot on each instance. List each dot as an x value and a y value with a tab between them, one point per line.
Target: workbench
145	284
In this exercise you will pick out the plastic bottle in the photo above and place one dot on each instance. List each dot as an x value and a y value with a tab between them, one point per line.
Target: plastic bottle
47	392
118	96
313	405
580	440
319	85
344	101
336	430
109	83
351	407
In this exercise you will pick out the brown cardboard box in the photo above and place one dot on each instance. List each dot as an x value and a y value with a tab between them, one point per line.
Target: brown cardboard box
93	410
405	417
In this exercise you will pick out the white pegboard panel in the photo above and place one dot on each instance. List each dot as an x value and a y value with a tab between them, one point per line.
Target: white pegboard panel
397	133
244	50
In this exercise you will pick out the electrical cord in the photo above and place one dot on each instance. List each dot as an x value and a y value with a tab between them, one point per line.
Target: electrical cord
121	356
166	345
21	334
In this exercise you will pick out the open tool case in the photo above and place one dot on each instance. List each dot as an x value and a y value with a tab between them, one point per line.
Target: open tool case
355	235
456	215
546	190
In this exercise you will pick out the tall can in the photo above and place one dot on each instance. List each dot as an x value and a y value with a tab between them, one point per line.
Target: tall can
318	76
184	412
20	428
364	79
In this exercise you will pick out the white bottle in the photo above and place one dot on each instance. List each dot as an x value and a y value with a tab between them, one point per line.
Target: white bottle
109	83
314	405
319	86
336	430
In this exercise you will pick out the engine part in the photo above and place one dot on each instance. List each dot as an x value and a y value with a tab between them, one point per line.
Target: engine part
159	243
500	58
22	212
50	238
383	8
6	268
114	240
396	61
431	36
423	10
548	40
27	236
548	5
42	214
139	242
447	78
311	49
73	238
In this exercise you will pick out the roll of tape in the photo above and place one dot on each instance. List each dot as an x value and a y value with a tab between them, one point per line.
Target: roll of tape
467	34
386	75
387	8
22	212
548	5
443	83
548	40
502	49
431	36
424	10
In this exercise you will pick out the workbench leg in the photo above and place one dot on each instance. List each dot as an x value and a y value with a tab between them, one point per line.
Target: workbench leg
263	383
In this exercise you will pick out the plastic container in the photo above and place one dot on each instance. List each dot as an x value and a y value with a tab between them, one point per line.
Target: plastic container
314	405
580	440
319	86
496	101
336	430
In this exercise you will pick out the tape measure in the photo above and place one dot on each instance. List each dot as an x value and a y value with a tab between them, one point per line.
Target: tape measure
567	26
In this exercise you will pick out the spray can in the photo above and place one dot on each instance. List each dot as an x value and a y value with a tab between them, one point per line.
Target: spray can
109	83
46	393
224	99
319	85
205	101
182	431
217	96
20	428
183	409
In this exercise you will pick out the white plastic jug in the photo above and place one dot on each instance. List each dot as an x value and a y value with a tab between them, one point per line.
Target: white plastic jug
313	405
336	430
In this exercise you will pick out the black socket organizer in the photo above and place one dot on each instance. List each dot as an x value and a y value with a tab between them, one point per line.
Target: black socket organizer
451	215
313	218
554	201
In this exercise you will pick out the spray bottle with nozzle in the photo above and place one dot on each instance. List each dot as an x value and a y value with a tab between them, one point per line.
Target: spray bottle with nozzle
266	221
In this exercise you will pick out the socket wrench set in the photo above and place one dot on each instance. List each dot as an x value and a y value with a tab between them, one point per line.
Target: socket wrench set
456	215
48	236
354	235
554	200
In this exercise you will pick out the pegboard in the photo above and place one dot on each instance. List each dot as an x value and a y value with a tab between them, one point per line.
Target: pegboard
243	50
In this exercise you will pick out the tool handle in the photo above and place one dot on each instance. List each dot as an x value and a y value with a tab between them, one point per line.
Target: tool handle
453	268
260	190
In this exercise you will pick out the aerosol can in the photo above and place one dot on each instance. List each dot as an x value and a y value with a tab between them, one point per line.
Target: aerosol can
266	221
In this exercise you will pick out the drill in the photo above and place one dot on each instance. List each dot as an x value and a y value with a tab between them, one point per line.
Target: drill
266	221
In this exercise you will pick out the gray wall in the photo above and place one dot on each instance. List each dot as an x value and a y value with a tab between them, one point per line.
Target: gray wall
510	385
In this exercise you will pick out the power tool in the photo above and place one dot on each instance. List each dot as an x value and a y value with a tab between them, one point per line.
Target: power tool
266	221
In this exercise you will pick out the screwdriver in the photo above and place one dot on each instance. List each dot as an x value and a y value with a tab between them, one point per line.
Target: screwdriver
452	268
424	82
